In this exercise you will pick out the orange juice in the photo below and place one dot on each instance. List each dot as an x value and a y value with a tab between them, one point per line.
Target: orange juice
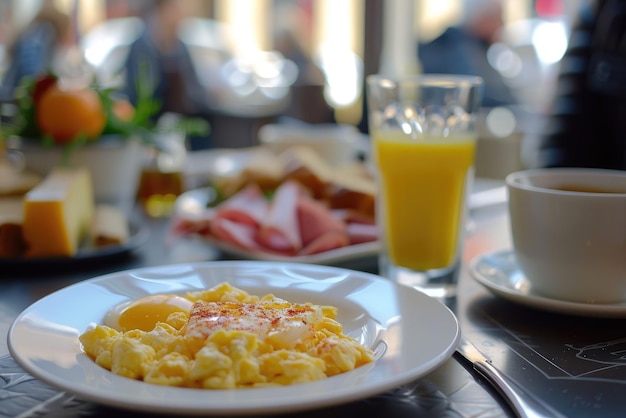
422	190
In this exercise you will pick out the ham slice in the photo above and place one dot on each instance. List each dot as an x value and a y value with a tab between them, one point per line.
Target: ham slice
315	220
248	207
197	224
329	240
280	231
238	234
183	226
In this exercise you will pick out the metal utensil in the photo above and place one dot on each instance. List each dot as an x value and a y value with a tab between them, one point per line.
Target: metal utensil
523	404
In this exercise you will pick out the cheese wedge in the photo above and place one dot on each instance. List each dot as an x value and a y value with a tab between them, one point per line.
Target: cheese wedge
58	213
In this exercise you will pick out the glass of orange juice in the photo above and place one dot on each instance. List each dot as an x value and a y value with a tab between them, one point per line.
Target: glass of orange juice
423	139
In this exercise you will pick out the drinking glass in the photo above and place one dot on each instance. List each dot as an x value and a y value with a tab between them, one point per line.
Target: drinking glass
161	180
423	138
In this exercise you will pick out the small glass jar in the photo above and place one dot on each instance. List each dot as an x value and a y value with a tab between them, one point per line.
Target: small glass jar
162	180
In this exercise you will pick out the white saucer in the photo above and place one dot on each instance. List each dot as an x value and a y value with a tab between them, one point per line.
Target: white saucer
498	272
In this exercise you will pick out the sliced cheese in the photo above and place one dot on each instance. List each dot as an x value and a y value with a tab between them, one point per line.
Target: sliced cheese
58	213
110	226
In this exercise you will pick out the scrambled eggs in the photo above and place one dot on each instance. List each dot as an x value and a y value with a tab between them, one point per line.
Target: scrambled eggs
223	338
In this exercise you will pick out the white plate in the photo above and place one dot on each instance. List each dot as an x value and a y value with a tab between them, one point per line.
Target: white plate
194	202
410	333
499	272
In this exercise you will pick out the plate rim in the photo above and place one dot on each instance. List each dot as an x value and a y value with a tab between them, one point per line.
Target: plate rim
535	300
347	253
344	394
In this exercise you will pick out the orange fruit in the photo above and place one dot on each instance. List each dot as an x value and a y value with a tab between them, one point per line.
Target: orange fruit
64	114
123	109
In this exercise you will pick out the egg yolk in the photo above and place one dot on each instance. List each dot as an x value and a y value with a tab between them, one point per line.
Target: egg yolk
144	313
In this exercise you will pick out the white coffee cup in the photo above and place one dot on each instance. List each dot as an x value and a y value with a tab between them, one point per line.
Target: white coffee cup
569	232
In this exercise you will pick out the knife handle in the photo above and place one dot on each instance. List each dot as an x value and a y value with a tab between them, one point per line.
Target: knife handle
524	405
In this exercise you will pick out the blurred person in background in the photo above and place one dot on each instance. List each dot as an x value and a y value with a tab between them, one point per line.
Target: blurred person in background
35	48
586	125
292	37
159	57
115	9
462	49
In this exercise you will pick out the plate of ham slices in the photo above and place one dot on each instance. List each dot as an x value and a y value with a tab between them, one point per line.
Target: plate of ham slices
293	205
289	225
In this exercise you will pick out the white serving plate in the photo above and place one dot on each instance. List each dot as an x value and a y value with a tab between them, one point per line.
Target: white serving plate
410	333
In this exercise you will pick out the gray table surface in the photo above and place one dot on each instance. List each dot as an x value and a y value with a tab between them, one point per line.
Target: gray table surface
573	363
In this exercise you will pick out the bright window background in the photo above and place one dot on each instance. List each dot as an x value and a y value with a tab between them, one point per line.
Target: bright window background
331	34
